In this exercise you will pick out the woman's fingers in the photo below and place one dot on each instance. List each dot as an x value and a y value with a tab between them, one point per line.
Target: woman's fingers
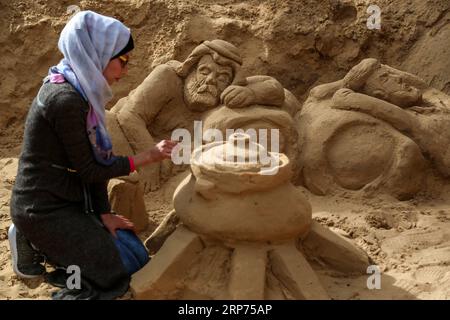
115	222
125	225
126	222
122	218
112	230
168	148
167	143
163	150
172	142
165	147
129	227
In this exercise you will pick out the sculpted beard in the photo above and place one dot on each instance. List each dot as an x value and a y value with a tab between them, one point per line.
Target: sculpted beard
198	95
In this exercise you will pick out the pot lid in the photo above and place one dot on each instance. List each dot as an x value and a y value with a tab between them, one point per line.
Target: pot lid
239	154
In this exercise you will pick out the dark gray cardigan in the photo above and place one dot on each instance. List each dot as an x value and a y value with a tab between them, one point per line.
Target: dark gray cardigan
55	137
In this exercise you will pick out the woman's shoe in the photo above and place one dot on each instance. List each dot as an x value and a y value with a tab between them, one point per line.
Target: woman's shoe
26	261
57	278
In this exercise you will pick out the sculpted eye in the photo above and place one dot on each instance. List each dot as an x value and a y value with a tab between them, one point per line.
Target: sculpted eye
223	77
204	70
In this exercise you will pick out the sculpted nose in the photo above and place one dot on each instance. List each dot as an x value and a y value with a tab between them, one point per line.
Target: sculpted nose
211	79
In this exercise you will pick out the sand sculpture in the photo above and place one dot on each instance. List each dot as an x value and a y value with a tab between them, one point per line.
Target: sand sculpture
175	94
378	130
241	120
126	194
209	85
244	233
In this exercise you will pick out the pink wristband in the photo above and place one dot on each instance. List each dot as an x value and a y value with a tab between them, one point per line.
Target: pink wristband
132	167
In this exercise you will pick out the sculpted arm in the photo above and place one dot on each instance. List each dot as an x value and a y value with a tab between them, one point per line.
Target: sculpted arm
326	90
400	119
138	110
262	90
267	90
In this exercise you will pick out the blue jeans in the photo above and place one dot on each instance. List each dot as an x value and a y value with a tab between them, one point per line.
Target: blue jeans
131	250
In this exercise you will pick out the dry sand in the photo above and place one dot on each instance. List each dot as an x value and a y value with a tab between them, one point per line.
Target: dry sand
302	45
409	241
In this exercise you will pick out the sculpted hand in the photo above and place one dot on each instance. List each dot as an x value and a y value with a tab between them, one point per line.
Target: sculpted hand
113	222
340	100
150	176
343	107
237	97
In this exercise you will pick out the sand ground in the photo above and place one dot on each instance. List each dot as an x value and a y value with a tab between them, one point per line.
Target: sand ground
409	241
302	44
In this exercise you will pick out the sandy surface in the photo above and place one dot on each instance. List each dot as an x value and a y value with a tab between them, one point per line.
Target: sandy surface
302	44
409	241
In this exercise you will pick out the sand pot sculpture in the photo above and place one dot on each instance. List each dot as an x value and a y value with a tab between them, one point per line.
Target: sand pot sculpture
244	232
176	94
256	120
376	130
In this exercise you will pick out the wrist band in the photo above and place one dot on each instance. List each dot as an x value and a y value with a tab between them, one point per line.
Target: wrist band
132	167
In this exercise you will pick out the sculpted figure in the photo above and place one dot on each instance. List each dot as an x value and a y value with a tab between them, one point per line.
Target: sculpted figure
176	94
399	127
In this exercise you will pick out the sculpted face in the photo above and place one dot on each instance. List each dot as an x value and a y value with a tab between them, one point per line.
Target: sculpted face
391	86
204	85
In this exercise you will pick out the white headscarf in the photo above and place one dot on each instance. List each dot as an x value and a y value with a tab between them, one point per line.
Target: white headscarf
88	42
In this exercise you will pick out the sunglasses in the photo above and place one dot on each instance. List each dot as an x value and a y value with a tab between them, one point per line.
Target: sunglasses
123	61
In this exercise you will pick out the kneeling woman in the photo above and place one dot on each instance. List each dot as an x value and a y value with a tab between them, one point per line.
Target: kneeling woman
59	202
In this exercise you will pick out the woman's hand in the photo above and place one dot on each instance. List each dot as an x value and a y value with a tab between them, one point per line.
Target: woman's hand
163	150
113	222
